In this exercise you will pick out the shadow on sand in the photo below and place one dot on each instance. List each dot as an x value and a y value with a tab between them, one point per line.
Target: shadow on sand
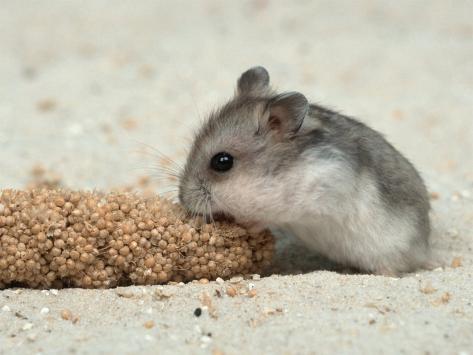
292	257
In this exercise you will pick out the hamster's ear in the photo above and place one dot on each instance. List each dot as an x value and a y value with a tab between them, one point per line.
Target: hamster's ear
253	82
286	113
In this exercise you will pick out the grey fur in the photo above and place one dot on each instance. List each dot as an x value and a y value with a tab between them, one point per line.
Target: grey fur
253	82
289	110
271	182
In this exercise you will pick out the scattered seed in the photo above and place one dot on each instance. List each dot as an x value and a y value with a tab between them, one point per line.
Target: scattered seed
252	293
457	262
66	314
231	291
446	297
428	289
46	105
129	124
161	294
271	311
207	302
149	324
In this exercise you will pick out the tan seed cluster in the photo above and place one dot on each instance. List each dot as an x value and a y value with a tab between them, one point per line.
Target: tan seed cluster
55	238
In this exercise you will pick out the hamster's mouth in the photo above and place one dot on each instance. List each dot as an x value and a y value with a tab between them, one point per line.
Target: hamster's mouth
221	216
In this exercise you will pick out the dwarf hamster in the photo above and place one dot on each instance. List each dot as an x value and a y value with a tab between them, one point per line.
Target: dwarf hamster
270	159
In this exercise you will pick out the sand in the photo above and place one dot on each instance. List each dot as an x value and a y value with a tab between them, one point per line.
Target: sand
94	91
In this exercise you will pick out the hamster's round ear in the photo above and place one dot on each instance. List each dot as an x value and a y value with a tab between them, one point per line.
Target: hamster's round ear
253	82
286	113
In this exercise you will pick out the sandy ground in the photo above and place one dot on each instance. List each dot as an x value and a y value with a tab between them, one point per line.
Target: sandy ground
87	87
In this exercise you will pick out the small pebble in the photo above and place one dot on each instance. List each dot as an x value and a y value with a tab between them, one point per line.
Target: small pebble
54	292
6	308
256	277
205	339
125	293
44	310
252	293
236	279
204	281
198	312
149	337
27	326
452	233
220	281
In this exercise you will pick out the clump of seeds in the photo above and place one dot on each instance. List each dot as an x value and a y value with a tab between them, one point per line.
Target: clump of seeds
56	238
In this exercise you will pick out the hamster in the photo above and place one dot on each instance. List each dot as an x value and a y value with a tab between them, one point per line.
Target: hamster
274	160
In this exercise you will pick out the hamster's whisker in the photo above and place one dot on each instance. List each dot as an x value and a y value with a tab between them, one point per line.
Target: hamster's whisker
166	170
209	203
168	191
166	176
197	210
204	211
163	158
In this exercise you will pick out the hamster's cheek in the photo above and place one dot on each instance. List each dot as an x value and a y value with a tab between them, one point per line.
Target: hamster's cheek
241	196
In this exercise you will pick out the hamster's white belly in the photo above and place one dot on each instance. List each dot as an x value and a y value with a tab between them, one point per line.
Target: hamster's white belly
373	242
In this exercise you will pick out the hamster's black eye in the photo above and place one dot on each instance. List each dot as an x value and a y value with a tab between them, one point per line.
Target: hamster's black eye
221	162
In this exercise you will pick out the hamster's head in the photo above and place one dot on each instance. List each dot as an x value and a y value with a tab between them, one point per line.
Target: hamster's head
237	163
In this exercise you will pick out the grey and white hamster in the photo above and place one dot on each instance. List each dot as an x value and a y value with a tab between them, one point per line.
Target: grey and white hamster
271	159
